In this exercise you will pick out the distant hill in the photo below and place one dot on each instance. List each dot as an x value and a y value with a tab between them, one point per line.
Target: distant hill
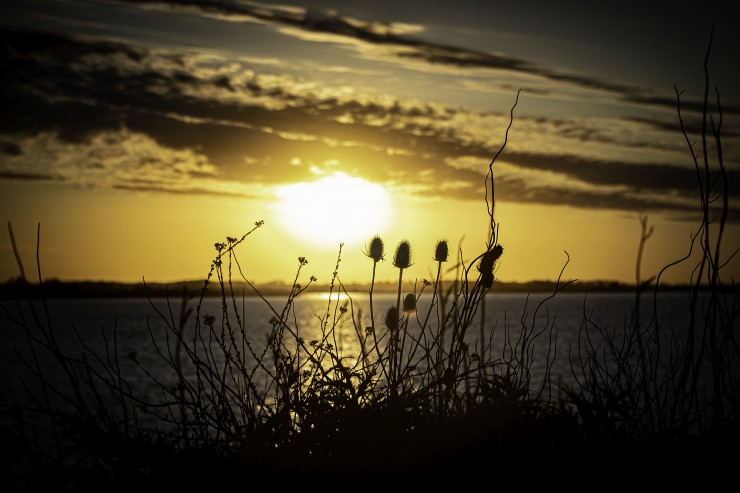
103	289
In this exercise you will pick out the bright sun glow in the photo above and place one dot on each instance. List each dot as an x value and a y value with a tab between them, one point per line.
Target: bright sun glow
332	210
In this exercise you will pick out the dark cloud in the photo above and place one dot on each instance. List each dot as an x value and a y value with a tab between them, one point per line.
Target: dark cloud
80	89
693	126
49	75
639	177
510	189
518	191
686	104
10	148
168	190
408	47
43	91
21	176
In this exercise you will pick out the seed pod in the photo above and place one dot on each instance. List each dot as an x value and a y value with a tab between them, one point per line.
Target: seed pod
487	263
409	303
402	259
486	279
497	251
376	250
489	259
441	252
391	318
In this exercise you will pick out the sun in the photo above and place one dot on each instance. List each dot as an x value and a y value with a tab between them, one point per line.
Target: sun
334	209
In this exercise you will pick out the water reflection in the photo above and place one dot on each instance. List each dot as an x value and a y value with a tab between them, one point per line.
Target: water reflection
339	320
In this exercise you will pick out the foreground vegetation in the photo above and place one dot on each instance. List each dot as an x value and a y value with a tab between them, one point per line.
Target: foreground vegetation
426	396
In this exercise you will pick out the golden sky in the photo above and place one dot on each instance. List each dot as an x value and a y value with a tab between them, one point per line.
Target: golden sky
140	133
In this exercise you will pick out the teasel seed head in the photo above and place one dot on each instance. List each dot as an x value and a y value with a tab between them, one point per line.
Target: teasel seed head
391	318
402	259
487	263
441	252
376	251
489	259
409	303
486	279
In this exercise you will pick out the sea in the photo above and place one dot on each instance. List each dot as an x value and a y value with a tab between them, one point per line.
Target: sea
135	336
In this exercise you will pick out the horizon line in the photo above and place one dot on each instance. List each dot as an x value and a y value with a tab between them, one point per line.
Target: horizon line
55	288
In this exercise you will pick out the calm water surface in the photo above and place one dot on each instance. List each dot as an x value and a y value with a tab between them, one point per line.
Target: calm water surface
139	327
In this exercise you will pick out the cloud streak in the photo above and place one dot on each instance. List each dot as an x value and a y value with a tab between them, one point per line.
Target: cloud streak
105	114
397	41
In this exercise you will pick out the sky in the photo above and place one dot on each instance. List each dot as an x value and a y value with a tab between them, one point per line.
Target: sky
139	133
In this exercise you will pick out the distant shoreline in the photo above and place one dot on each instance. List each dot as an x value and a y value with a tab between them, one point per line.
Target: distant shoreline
102	289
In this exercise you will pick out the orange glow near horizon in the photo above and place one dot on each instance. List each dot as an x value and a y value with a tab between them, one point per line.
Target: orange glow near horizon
173	238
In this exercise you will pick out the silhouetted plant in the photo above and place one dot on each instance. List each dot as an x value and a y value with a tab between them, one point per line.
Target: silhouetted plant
419	383
653	378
